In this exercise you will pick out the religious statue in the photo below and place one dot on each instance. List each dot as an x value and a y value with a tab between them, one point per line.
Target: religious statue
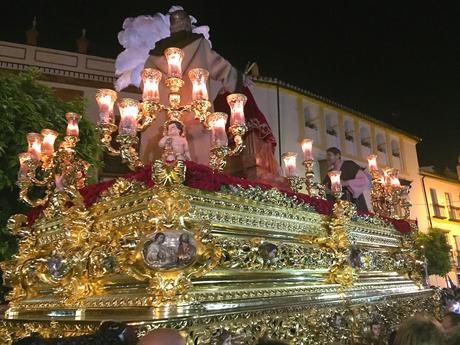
145	39
174	143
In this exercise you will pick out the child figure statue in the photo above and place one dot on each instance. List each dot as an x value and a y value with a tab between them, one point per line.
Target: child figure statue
173	143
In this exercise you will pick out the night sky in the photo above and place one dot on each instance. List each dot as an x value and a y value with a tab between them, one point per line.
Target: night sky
397	62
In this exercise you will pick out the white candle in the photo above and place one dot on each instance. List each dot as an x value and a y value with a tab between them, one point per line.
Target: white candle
151	92
72	129
174	57
236	102
129	109
23	169
49	137
307	148
105	99
394	182
151	80
218	134
72	124
289	159
199	78
372	160
336	186
34	141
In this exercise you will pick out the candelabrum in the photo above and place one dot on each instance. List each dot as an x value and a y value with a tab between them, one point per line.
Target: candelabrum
389	198
297	183
58	171
220	149
137	116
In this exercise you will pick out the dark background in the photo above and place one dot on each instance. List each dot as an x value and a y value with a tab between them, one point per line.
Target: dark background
398	62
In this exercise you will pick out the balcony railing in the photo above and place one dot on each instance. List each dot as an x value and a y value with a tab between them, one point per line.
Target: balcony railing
454	213
439	211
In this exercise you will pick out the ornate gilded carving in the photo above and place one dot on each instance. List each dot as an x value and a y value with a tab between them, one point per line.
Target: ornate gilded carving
341	271
341	323
270	196
210	258
259	254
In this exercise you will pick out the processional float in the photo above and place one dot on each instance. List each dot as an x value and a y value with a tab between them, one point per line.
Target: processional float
223	264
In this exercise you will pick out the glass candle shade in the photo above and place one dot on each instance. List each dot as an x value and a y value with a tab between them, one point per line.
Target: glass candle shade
129	110
217	122
236	103
290	160
386	176
174	56
105	99
372	161
23	169
150	80
199	78
49	137
393	178
334	175
307	148
394	182
72	124
34	141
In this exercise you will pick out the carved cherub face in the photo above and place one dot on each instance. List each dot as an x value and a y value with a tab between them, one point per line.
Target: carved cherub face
173	130
375	329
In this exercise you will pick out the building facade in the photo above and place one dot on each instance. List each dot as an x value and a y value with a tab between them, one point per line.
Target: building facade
441	199
295	114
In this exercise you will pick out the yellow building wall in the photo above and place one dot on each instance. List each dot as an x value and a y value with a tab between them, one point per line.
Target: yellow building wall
449	226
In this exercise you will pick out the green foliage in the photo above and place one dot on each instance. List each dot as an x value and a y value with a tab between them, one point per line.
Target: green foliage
437	251
26	105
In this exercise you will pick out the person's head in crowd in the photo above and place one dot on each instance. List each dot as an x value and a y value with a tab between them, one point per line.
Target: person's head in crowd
333	154
34	339
118	333
375	329
162	336
419	330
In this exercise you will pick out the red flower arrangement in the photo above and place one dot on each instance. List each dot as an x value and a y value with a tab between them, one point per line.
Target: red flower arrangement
202	177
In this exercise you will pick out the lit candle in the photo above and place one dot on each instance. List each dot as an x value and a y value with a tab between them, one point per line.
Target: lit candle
23	169
386	176
372	160
394	182
174	57
217	122
72	124
105	99
334	175
199	78
129	110
289	159
34	141
393	178
49	137
307	147
151	80
236	102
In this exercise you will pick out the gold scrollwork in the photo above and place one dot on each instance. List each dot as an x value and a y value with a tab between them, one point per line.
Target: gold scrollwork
259	254
340	272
